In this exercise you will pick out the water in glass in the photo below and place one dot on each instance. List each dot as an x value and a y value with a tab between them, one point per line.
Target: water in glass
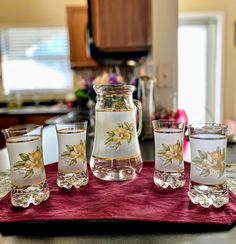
207	177
28	179
169	164
72	165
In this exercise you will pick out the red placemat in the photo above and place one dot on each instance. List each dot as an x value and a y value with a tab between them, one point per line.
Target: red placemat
138	200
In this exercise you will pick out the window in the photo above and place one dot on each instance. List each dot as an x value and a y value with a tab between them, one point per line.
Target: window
200	57
35	59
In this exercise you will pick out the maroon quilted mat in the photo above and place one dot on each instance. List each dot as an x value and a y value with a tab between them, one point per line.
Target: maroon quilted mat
137	200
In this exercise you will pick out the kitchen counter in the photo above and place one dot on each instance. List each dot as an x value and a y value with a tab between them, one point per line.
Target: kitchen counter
35	110
117	231
29	115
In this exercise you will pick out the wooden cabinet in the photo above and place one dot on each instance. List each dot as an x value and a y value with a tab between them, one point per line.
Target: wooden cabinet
121	24
77	20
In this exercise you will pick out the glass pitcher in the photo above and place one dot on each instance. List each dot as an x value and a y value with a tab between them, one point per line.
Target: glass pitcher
116	153
146	94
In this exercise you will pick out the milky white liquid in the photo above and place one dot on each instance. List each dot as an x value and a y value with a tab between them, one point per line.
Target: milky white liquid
167	136
206	143
70	137
107	162
24	144
108	121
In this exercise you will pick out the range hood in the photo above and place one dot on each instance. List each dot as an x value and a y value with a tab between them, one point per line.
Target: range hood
111	56
114	58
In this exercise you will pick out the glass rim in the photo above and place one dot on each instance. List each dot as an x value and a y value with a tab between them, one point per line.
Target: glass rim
167	121
207	128
82	125
213	125
113	88
22	128
146	77
72	123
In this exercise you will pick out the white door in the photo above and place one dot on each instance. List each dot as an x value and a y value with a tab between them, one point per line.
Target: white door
198	79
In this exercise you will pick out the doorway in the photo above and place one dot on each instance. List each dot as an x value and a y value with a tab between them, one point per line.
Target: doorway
200	66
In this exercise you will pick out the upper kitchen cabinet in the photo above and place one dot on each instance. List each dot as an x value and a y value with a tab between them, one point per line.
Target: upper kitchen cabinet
121	25
77	21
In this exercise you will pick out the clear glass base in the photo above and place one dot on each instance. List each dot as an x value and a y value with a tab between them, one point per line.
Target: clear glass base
116	169
169	179
33	194
207	195
75	179
5	182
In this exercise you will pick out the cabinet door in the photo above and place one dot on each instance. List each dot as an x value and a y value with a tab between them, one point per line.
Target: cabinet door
121	24
77	20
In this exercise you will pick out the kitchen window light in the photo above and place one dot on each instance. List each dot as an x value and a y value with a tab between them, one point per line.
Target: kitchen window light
35	59
200	74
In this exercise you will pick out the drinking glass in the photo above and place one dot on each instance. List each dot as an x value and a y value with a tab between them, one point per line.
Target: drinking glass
169	164
28	179
207	176
72	165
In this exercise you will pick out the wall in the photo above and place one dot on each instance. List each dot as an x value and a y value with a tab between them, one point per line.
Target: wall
228	7
164	49
35	12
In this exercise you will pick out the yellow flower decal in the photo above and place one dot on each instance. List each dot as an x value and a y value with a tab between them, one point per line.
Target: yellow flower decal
121	105
208	161
171	152
29	163
116	137
75	153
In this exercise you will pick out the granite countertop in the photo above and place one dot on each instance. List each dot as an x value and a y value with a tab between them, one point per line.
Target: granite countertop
36	110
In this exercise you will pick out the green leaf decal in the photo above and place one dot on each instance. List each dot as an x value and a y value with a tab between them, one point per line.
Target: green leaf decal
19	164
117	146
108	141
221	171
197	160
69	148
129	140
110	133
24	156
205	172
73	162
202	154
168	161
65	154
29	173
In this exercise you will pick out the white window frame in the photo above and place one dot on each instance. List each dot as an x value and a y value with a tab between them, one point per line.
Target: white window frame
215	74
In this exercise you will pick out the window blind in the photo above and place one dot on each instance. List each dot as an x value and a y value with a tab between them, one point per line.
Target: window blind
35	59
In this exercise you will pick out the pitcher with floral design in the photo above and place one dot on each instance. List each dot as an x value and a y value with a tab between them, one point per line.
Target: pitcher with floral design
28	179
116	153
